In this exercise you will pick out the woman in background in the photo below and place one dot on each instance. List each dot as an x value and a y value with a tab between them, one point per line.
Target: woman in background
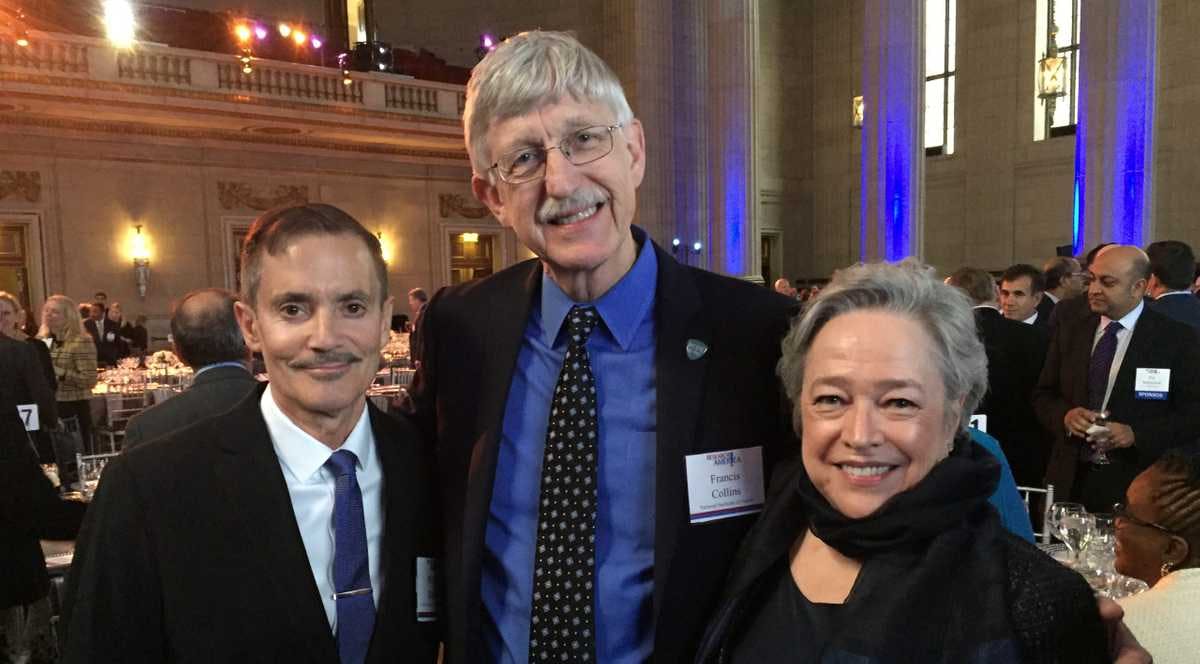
1158	541
74	357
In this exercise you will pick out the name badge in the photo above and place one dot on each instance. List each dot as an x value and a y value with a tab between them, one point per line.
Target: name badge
427	589
1152	384
724	484
979	422
29	416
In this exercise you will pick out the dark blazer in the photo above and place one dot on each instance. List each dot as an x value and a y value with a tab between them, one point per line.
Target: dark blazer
212	393
191	553
1045	309
107	351
1183	307
728	398
1157	342
1015	354
29	506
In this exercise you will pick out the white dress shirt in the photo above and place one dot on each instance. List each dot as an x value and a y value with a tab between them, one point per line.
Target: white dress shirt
1128	322
311	487
1053	298
1032	319
1174	292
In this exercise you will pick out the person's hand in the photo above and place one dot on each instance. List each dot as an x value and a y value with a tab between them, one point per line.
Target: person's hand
1078	419
1122	646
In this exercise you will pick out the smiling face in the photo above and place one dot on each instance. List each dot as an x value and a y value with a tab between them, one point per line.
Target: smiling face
576	219
874	413
318	321
1017	299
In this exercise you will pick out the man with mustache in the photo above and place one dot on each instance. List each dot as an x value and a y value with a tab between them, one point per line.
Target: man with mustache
1125	358
602	441
301	525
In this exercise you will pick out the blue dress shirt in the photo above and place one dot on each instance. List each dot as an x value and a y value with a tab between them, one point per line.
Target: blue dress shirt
622	356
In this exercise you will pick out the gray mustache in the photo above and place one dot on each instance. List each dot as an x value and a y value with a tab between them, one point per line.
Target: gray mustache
557	207
330	357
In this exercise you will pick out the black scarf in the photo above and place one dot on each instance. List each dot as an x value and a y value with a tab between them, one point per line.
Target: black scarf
954	489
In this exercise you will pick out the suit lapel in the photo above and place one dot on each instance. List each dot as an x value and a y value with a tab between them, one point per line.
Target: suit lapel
507	316
398	513
1081	356
254	489
1138	350
680	387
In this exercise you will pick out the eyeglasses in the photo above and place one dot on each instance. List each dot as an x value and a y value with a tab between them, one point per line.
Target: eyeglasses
582	147
1121	511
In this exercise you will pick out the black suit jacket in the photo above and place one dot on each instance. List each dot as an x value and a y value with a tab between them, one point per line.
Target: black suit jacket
1183	307
1045	309
212	393
1157	342
727	399
191	553
29	506
108	351
1015	354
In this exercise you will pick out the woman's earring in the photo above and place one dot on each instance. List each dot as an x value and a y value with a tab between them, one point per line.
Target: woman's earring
1165	569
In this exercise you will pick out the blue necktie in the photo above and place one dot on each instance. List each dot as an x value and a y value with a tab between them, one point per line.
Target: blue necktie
1101	364
351	572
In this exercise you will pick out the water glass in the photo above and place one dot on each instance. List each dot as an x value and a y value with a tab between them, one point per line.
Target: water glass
1073	526
1101	552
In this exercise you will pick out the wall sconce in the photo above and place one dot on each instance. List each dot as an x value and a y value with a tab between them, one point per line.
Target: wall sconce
140	253
384	248
857	111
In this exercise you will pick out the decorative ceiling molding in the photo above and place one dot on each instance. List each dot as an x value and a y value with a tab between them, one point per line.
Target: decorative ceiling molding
26	184
142	129
234	195
455	204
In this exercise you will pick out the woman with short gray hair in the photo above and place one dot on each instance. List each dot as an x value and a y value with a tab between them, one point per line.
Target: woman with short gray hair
878	542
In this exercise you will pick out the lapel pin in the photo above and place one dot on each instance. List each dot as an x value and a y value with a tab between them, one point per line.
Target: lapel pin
696	349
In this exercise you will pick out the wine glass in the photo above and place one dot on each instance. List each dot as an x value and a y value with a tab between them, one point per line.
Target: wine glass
1101	552
1099	455
1072	527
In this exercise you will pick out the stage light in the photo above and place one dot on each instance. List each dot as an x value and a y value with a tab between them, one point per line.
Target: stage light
346	80
675	242
285	30
696	247
260	32
488	42
316	42
119	23
242	31
246	60
299	37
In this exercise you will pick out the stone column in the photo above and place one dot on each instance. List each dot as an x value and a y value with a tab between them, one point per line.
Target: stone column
1114	140
893	154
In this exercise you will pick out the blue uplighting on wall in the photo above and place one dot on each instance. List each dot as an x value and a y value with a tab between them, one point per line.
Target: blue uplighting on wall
889	140
734	205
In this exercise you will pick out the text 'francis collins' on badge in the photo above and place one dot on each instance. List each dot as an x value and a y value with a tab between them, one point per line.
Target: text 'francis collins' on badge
724	484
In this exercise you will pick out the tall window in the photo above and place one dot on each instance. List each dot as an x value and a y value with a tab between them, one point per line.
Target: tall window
940	21
1056	82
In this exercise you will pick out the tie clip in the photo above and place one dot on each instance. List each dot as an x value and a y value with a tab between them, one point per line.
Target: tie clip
351	593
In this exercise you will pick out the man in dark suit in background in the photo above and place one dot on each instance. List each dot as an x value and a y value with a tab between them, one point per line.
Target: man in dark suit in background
1063	279
208	339
651	396
1015	353
1021	289
1127	359
1172	265
301	525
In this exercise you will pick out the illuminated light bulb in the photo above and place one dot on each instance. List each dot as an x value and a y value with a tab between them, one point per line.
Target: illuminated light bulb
299	37
242	31
346	80
488	42
119	23
382	66
285	30
696	246
316	42
23	41
260	32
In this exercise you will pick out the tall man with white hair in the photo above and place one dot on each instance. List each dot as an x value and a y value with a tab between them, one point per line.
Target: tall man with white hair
603	443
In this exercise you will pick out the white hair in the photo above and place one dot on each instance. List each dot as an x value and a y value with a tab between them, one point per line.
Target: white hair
528	71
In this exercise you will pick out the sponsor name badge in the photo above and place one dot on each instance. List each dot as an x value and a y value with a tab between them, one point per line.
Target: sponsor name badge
29	416
1152	384
427	589
724	484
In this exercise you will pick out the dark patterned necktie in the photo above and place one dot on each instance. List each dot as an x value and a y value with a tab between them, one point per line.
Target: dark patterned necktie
1101	364
561	625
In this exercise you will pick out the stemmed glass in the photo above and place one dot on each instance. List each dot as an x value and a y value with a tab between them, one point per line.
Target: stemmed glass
1100	552
1100	450
1073	525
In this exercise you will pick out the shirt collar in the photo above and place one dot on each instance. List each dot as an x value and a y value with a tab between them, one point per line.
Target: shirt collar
302	455
1032	319
218	365
1174	292
1052	296
622	308
1129	320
